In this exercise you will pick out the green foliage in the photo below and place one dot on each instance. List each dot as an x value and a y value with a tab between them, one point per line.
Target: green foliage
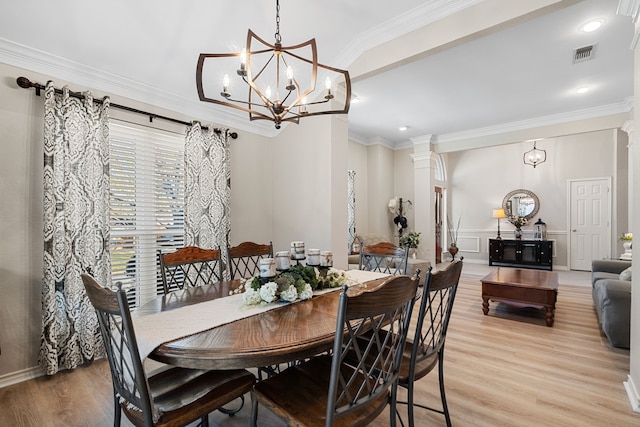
302	272
410	239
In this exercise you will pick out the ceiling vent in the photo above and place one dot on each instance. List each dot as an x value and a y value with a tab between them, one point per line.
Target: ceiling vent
583	54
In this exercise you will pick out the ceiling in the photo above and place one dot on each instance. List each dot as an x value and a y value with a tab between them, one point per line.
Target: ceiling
511	75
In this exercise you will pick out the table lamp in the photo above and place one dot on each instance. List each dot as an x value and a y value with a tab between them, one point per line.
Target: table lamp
499	213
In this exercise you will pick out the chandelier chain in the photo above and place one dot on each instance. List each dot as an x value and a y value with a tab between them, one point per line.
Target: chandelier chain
278	37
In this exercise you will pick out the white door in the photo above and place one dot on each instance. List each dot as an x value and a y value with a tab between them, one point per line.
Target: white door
590	222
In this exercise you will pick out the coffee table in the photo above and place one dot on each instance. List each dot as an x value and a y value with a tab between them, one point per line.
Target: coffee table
522	288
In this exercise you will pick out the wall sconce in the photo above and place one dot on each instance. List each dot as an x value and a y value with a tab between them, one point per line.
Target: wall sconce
534	156
499	213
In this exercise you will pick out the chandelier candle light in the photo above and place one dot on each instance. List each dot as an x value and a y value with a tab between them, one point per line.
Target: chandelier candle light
535	156
280	80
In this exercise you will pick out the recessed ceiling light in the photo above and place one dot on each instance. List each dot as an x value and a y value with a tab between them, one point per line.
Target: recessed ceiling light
403	128
354	99
583	89
592	25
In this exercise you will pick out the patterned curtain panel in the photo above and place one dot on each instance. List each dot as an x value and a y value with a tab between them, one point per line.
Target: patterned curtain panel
76	233
207	188
351	207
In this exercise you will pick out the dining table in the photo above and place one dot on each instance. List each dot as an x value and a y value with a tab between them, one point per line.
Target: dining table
281	332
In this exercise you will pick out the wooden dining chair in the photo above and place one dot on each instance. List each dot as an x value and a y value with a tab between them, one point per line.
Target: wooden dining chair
384	257
244	259
426	349
328	391
170	397
190	266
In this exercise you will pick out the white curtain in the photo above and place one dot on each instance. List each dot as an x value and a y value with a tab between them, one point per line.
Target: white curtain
207	187
76	226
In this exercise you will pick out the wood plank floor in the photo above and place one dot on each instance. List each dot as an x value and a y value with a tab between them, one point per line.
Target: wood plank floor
504	369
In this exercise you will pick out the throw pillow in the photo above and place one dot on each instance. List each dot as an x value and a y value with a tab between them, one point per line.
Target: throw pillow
626	274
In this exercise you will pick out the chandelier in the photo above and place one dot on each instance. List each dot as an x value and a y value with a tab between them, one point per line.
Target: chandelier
534	156
279	81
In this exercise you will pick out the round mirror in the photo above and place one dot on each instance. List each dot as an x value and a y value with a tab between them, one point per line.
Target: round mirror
522	203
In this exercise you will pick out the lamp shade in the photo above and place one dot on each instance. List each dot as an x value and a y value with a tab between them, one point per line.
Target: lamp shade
499	213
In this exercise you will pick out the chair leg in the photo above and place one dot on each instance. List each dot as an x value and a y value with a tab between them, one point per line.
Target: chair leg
445	409
232	412
254	411
204	421
392	405
410	404
117	412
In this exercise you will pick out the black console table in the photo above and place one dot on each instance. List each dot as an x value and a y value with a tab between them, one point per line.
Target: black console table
521	253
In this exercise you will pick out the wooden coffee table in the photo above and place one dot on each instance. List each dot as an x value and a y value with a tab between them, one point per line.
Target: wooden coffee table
522	288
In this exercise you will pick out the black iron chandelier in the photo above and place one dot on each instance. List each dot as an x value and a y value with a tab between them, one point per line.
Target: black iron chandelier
280	80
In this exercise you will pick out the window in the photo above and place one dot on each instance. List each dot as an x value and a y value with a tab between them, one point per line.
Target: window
147	205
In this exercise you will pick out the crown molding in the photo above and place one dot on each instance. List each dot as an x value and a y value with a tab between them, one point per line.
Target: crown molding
588	113
56	67
629	8
411	20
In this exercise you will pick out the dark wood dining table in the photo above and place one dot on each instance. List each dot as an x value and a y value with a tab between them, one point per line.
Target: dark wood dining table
291	332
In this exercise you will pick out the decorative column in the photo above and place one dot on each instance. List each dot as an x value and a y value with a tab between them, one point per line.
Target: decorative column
629	128
423	200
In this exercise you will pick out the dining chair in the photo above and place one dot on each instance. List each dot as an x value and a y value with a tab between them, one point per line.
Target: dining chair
244	259
329	391
384	257
190	266
426	349
170	396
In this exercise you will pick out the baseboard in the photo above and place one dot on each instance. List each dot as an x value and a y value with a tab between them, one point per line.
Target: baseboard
632	392
20	376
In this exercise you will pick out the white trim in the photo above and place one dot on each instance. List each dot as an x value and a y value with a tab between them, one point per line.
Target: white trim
19	376
469	244
632	392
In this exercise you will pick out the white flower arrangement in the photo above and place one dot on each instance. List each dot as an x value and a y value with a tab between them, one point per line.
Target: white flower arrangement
298	283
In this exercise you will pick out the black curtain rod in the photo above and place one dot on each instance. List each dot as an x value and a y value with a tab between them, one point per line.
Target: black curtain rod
25	83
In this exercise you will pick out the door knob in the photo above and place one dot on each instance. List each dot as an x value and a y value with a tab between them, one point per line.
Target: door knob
574	230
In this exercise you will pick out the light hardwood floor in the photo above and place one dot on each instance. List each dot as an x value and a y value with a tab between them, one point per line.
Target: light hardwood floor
504	369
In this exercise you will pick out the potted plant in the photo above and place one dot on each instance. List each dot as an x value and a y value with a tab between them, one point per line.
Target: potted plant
453	237
411	240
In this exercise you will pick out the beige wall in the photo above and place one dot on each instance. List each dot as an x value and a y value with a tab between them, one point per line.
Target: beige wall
21	251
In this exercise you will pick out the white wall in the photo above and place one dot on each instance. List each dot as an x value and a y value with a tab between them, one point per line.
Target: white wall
479	179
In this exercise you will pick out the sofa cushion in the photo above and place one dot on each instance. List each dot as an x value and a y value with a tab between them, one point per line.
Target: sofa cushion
626	274
596	276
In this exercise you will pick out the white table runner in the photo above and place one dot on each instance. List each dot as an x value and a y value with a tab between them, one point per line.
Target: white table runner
158	328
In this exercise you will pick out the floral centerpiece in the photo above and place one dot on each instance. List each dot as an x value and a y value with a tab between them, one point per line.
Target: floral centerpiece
410	239
518	221
298	282
626	237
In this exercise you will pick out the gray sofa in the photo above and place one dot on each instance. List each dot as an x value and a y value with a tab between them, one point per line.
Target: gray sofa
612	300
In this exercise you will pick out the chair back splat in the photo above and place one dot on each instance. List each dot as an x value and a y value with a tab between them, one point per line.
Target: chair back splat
190	266
384	257
352	386
171	397
244	259
427	346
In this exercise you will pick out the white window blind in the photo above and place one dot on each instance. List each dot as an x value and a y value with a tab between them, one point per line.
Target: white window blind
147	205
